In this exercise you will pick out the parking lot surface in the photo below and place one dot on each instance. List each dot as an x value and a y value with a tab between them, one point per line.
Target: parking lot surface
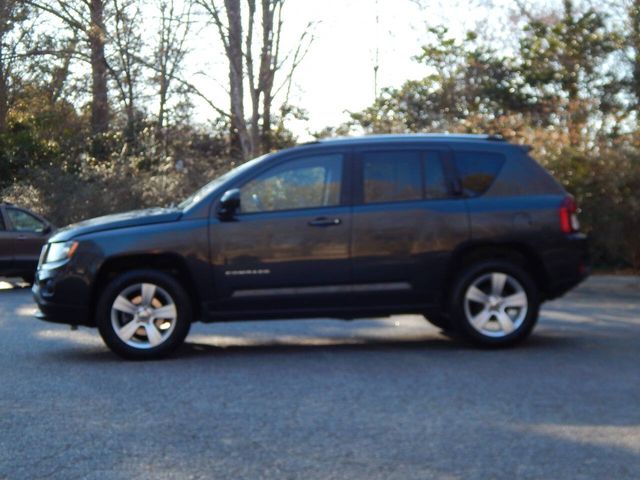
384	398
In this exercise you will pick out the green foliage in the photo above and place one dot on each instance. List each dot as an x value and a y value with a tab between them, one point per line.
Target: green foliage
606	183
467	79
39	133
564	58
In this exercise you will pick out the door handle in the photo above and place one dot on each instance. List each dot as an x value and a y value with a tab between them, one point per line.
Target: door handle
324	222
22	237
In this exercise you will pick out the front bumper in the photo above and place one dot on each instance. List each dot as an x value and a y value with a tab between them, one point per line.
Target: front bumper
57	293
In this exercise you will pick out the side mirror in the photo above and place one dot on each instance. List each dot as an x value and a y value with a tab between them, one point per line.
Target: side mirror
229	203
47	229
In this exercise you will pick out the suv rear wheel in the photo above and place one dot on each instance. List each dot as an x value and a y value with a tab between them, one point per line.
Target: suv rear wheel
494	303
144	314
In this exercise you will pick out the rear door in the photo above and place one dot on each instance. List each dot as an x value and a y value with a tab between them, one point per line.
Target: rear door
288	246
406	222
6	245
29	234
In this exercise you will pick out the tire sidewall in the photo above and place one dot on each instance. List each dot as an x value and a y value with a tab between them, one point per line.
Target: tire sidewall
163	280
456	307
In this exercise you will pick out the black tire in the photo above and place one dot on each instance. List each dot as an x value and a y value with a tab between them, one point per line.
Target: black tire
167	286
478	271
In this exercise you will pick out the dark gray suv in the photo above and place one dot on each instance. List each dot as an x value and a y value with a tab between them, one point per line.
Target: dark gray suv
468	230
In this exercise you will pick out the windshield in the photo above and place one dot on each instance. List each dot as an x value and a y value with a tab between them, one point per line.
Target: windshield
211	186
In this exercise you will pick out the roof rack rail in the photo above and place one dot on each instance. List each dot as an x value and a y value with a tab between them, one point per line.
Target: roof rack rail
496	138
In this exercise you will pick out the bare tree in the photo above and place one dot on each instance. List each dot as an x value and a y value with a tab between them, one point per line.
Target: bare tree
126	65
231	38
634	44
88	18
99	87
253	136
12	14
169	54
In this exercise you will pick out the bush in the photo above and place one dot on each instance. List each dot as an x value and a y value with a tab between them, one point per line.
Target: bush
605	183
102	188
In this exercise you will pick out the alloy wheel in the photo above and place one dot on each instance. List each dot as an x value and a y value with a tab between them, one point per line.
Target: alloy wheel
495	304
144	315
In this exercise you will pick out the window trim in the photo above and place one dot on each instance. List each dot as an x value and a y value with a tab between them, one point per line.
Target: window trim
345	182
442	152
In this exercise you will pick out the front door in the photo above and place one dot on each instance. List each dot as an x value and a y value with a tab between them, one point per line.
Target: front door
288	246
29	233
6	247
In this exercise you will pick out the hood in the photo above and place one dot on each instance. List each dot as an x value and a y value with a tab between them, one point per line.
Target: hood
119	220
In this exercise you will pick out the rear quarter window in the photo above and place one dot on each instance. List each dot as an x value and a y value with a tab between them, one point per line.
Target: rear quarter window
478	170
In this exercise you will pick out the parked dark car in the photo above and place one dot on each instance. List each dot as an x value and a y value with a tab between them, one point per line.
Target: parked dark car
468	230
22	235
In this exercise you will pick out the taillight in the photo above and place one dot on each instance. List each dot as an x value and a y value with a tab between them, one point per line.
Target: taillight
569	222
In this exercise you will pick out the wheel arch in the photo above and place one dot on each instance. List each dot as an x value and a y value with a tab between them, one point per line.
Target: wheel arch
519	253
168	263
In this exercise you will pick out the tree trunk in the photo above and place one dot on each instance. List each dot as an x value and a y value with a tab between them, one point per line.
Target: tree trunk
4	101
634	17
267	72
61	74
4	95
239	133
160	137
254	87
99	88
575	109
131	114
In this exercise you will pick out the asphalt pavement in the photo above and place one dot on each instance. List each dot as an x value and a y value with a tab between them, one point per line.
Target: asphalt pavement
387	398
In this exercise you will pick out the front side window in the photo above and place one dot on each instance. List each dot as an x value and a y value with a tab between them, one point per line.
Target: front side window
392	176
24	222
308	182
477	170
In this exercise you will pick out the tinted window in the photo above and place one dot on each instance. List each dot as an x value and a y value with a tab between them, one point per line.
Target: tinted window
477	170
435	185
23	221
2	227
301	183
392	177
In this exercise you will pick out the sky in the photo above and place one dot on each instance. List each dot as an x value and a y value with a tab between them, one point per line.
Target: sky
337	73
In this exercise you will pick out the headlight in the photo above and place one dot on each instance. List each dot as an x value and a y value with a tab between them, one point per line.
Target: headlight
59	251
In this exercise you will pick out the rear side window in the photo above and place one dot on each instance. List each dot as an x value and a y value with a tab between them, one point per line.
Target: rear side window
477	170
392	176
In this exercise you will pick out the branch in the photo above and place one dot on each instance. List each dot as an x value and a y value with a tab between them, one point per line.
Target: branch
66	17
298	57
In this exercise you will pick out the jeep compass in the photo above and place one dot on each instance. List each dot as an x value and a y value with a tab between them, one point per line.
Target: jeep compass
467	230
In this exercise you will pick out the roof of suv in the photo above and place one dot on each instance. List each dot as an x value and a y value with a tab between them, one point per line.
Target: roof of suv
412	137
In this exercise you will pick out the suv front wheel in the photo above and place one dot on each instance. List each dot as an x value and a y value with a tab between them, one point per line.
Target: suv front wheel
144	314
494	303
